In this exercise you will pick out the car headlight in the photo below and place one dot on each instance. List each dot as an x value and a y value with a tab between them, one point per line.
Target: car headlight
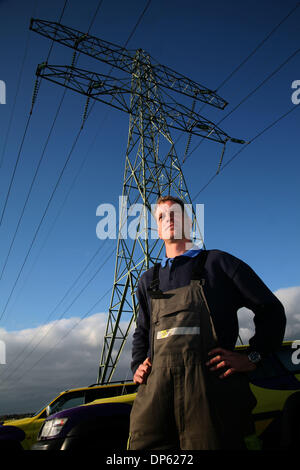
52	427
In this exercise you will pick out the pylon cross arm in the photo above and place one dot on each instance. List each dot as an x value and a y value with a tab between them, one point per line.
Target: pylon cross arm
121	58
117	92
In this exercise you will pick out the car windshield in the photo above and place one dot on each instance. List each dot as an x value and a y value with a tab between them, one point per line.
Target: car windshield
75	398
64	402
67	401
39	411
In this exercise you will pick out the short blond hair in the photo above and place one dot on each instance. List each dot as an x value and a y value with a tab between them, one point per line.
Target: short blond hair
174	199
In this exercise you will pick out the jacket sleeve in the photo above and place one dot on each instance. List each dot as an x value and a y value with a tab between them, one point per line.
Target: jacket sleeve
140	341
269	315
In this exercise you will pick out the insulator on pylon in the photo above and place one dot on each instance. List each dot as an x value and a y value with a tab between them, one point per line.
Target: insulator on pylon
221	159
35	92
238	141
40	67
85	111
190	134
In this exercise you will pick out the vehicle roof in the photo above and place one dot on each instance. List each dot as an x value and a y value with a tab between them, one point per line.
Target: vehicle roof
129	398
96	386
284	344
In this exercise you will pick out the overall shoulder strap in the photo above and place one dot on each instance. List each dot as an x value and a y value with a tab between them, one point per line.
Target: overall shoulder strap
154	285
154	290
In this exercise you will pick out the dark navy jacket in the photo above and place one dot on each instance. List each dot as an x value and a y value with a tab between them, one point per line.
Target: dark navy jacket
229	285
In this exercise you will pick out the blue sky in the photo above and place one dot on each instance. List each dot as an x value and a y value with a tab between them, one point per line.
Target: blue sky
251	207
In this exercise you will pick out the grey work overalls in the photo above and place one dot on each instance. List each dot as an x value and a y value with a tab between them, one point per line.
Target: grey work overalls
183	405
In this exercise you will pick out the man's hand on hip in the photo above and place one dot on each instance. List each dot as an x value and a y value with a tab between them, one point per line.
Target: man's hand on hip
230	360
142	372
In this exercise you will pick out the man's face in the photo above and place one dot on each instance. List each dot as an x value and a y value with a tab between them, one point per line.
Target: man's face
171	221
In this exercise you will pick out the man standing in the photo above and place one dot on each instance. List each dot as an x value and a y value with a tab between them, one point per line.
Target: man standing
194	392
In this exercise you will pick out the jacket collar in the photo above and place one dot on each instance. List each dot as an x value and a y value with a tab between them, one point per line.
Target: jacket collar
191	253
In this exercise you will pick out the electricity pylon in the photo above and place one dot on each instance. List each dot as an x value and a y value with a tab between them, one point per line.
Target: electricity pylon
152	168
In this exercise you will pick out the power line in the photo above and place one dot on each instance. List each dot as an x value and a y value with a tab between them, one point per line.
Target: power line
97	251
15	168
38	166
61	174
137	23
69	331
41	221
62	314
32	184
17	92
59	20
258	46
244	147
95	15
27	123
263	82
130	36
66	294
66	197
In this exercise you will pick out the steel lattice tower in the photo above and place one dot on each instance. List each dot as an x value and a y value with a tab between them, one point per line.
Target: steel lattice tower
152	167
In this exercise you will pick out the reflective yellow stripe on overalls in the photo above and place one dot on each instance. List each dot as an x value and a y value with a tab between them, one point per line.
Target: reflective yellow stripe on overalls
183	405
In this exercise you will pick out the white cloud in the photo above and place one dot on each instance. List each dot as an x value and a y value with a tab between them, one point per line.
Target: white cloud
68	356
61	355
290	298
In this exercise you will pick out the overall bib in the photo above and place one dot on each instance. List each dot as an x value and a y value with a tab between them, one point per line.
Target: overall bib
184	405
